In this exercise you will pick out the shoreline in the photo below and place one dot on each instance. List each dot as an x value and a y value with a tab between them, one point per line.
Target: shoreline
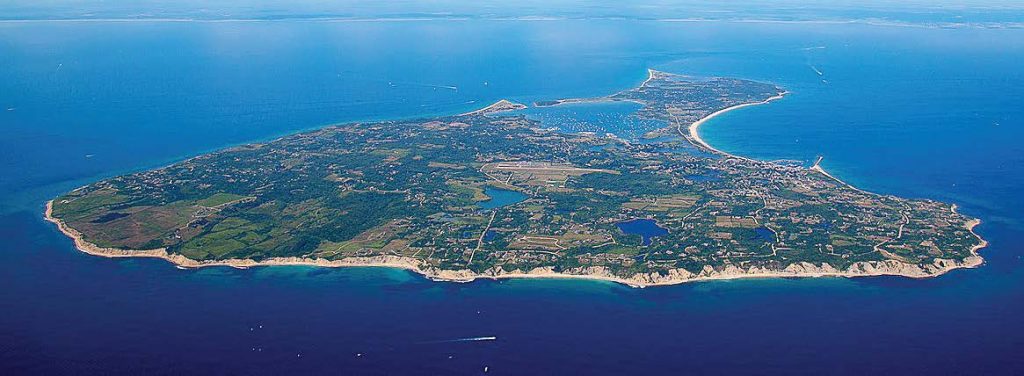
817	168
693	129
502	105
693	135
592	273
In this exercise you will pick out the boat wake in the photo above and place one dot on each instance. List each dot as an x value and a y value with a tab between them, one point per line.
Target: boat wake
816	70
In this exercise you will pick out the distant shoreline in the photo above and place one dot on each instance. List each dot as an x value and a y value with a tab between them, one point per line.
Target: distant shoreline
672	277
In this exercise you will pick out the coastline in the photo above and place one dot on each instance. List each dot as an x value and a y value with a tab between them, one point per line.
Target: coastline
693	134
501	105
817	168
596	273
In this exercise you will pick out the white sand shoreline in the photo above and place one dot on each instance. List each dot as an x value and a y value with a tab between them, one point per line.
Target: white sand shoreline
671	277
502	105
693	129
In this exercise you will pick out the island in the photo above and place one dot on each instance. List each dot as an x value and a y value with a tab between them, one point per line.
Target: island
493	194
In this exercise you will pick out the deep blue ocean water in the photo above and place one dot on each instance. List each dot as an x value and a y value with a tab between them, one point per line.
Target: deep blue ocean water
914	111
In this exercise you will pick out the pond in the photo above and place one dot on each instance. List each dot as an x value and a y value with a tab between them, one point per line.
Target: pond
646	228
501	198
763	233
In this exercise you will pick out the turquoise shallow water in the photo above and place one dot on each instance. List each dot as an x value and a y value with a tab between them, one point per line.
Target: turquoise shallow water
919	112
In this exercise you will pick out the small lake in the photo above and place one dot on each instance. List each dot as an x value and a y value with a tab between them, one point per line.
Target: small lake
501	198
646	228
489	235
763	233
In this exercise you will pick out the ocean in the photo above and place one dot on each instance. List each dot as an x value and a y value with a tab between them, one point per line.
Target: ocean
916	111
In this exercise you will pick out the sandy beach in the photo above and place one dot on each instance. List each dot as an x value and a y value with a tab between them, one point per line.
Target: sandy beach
693	129
694	137
671	277
499	106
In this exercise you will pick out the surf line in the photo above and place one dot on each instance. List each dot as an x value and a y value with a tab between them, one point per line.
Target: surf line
691	134
817	168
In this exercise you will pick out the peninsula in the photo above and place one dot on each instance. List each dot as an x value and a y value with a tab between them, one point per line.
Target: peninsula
493	194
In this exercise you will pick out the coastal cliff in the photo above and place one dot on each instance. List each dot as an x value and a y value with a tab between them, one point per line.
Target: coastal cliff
670	277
